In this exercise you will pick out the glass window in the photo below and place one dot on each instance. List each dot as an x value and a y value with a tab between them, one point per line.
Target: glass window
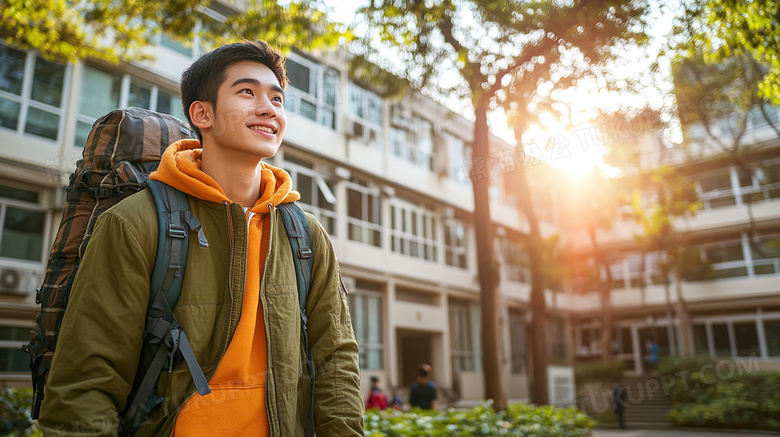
313	91
746	336
12	358
170	104
316	192
464	336
366	312
100	92
140	96
515	260
22	235
42	96
720	334
48	81
772	334
169	42
412	140
459	155
517	337
11	69
455	244
556	338
412	230
18	194
364	218
700	340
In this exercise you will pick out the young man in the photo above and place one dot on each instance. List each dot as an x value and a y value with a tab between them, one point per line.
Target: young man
423	393
239	301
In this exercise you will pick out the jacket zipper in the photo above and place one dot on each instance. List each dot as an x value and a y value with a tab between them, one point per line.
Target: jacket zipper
227	321
265	321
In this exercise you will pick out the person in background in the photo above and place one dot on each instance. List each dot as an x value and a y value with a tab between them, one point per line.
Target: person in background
619	398
376	399
423	393
651	359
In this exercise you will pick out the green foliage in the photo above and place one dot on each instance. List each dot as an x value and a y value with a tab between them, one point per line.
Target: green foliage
518	420
15	406
606	371
66	31
722	394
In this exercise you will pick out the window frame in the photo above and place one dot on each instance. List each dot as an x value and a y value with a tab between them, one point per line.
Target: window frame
319	98
37	207
452	249
365	321
366	226
323	185
26	101
421	233
15	345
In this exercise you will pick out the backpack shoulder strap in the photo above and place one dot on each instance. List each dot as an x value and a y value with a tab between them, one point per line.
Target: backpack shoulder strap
299	234
164	338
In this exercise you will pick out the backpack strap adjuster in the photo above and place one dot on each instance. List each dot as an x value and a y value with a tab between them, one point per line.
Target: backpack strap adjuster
304	253
177	231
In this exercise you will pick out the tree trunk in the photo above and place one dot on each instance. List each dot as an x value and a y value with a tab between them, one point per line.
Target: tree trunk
538	331
605	291
487	268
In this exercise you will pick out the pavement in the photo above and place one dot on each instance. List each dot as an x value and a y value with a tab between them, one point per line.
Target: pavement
676	433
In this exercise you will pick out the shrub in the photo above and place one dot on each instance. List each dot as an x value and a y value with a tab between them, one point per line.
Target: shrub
517	420
15	407
722	394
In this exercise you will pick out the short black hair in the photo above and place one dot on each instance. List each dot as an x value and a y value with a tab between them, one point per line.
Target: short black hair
202	79
423	370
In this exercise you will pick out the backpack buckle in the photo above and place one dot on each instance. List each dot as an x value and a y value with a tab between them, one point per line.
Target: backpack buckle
177	231
304	252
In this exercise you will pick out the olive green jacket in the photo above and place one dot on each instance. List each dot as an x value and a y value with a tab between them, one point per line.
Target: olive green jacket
102	332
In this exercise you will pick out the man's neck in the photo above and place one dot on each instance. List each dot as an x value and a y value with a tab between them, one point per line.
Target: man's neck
238	176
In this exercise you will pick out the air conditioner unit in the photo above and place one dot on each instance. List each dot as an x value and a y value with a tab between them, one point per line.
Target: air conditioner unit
360	131
16	281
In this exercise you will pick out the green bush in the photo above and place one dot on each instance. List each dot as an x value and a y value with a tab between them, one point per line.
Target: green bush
606	371
15	407
517	420
722	394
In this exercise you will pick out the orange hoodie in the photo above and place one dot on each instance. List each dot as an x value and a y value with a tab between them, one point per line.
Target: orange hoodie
236	405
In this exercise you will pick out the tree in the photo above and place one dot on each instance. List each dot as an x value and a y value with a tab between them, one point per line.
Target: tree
66	31
491	44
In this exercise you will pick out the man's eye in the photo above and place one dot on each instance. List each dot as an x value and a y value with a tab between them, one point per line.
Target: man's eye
278	99
247	90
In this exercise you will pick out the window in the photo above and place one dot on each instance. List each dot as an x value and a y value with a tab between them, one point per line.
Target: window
459	155
12	358
720	335
517	338
769	179
700	340
715	191
772	333
515	260
746	337
367	111
31	93
316	193
102	92
766	255
411	139
725	260
413	229
556	338
364	221
757	119
455	244
464	330
313	91
365	307
170	43
589	341
22	222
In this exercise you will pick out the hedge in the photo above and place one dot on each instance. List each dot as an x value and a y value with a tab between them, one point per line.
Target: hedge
518	420
723	393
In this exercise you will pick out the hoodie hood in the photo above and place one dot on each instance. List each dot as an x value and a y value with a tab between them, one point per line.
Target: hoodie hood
180	168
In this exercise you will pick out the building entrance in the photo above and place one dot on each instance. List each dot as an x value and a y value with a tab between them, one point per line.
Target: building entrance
415	348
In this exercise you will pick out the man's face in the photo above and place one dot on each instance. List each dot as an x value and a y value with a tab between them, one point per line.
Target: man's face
249	117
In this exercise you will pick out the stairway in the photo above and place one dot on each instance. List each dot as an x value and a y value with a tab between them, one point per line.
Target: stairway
647	403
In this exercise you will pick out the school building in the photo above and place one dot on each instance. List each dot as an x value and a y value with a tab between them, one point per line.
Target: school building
389	181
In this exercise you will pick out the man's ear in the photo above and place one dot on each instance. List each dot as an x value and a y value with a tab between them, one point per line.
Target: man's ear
202	115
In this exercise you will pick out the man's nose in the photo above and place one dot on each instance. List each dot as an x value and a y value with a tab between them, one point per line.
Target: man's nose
265	107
